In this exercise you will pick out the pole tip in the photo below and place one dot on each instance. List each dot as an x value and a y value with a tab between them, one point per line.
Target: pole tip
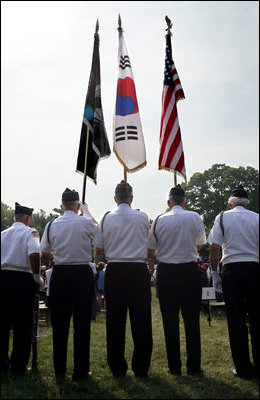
97	26
119	23
169	24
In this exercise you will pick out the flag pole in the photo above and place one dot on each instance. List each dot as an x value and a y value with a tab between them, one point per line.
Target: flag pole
86	151
169	24
119	23
119	28
85	168
175	178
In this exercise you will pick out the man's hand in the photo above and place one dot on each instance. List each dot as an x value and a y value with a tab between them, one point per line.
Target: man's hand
38	279
86	212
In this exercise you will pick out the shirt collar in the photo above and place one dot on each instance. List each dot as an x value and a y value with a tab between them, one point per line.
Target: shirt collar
176	208
69	212
124	206
18	224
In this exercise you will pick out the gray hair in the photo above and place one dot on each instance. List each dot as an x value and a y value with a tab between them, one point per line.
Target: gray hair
177	199
20	216
70	205
238	201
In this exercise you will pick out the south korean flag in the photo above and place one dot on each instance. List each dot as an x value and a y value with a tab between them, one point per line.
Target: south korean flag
128	140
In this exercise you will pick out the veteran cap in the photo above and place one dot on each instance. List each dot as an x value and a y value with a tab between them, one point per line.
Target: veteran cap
70	195
22	209
239	192
123	188
177	191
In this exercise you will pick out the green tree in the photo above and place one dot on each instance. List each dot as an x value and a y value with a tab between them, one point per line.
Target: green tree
40	219
7	216
208	192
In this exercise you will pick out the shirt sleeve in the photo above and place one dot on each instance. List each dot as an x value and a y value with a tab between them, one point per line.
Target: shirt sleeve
215	235
202	234
45	246
152	243
93	230
33	242
99	240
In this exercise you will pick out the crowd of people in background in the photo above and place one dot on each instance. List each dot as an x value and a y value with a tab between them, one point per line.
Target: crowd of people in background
138	256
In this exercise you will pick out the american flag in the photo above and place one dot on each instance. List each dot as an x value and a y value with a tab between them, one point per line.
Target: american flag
171	155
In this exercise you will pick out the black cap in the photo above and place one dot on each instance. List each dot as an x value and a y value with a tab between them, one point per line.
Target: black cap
22	210
70	195
123	188
177	191
239	192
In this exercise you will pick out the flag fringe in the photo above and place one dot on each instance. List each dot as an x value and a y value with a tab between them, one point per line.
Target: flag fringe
174	170
140	166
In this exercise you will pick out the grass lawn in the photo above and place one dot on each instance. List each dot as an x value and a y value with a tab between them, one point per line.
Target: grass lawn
217	382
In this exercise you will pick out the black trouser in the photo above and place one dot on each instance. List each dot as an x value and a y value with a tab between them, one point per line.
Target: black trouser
71	293
240	283
127	286
17	302
179	288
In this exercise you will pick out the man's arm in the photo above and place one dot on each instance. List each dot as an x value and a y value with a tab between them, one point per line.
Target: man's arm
214	256
152	254
100	251
34	260
49	256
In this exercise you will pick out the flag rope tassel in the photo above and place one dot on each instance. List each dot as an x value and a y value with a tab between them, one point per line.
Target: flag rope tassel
85	168
125	175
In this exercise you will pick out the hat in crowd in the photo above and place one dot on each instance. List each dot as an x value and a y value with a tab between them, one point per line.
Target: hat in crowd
123	188
177	191
22	209
239	192
70	195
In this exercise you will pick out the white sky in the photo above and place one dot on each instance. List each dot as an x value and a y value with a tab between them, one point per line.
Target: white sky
46	60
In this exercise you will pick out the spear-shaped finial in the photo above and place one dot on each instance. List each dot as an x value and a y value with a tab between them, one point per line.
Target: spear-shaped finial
97	26
119	24
169	24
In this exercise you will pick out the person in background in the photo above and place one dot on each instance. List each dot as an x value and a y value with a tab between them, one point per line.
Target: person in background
94	304
174	240
20	281
238	236
122	239
47	282
68	240
101	267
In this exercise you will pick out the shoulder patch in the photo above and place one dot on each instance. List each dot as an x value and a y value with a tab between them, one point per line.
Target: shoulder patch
35	234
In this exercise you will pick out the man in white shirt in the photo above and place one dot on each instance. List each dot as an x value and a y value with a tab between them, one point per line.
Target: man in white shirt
20	266
68	241
237	232
122	239
174	240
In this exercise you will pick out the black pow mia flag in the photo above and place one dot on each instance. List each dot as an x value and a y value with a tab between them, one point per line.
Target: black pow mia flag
98	145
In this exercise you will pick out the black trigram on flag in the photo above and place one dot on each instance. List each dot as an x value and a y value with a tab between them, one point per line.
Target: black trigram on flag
124	62
126	132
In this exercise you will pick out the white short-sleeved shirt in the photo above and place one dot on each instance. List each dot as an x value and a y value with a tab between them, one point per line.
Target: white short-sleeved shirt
178	234
17	243
70	239
124	235
241	235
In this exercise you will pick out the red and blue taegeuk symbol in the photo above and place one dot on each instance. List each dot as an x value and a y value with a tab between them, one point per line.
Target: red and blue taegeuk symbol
126	101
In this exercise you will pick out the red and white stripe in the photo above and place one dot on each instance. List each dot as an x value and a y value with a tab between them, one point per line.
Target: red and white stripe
171	151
